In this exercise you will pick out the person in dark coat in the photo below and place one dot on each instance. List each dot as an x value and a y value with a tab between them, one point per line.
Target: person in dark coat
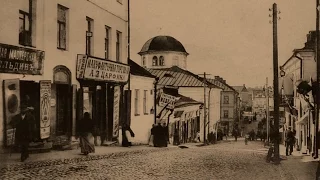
25	126
157	135
165	134
85	129
289	142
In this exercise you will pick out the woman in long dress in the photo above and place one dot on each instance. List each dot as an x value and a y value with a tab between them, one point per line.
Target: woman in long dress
85	132
151	138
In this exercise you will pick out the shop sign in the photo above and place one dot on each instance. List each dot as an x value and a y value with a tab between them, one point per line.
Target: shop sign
19	60
45	104
167	101
90	68
116	110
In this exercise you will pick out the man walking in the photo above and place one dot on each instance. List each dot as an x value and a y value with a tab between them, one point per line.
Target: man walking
24	124
289	142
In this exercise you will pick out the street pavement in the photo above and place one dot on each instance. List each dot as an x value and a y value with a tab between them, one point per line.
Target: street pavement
225	160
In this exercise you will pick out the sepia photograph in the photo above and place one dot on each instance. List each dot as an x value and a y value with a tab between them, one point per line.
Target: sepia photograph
160	89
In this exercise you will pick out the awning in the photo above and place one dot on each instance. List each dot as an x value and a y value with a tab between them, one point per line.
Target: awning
303	119
177	114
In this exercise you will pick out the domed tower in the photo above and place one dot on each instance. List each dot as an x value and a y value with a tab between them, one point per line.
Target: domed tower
163	52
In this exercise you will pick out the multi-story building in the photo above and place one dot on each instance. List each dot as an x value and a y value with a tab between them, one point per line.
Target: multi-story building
63	58
301	66
229	109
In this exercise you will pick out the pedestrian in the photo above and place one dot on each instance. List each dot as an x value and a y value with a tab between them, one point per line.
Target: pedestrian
151	138
246	138
165	135
176	137
289	142
86	134
127	135
24	123
235	133
198	136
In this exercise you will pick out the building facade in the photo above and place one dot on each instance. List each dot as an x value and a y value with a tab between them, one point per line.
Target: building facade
62	59
300	67
166	58
142	106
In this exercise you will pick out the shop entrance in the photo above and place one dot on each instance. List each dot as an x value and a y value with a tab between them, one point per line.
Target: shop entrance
64	100
30	95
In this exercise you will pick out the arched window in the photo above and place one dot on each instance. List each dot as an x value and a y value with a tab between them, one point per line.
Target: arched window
143	61
155	61
61	75
161	61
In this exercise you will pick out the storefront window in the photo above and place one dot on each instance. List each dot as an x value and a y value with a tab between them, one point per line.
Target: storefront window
87	100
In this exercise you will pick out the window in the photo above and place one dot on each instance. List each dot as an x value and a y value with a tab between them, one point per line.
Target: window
62	22
225	113
89	35
145	102
24	28
143	62
161	61
175	61
118	46
107	43
136	102
155	61
225	99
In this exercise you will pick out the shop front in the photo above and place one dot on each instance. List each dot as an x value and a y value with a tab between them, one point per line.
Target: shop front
101	94
18	66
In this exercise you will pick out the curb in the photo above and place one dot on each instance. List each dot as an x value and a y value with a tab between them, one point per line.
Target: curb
45	163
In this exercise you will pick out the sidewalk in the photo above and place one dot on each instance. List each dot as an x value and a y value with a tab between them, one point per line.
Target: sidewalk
54	157
69	156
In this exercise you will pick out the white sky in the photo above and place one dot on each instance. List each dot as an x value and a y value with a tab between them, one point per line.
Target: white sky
229	38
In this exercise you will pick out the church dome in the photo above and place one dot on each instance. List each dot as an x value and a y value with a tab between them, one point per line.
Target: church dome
162	43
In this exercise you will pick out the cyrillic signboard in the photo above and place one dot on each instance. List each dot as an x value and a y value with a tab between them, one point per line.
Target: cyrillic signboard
45	96
91	68
116	110
167	100
19	60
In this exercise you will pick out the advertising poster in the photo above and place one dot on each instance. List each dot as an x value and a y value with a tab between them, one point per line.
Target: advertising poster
45	98
12	107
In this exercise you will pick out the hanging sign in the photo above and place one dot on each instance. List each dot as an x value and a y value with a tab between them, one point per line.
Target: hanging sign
45	99
167	101
116	111
19	60
11	107
91	68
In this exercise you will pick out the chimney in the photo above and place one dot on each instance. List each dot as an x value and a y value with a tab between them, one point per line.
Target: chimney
311	40
216	77
224	81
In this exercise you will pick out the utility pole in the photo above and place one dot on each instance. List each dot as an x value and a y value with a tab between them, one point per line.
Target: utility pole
317	103
204	108
275	85
267	110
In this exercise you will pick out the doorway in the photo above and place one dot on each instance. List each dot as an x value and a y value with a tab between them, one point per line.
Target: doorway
30	95
64	99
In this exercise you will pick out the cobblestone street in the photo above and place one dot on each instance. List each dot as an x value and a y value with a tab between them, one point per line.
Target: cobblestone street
227	160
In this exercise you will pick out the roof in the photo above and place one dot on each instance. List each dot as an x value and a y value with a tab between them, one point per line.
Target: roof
186	101
178	77
162	43
240	88
223	85
137	70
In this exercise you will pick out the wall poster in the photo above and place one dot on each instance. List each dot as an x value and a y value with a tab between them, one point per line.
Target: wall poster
11	89
45	98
